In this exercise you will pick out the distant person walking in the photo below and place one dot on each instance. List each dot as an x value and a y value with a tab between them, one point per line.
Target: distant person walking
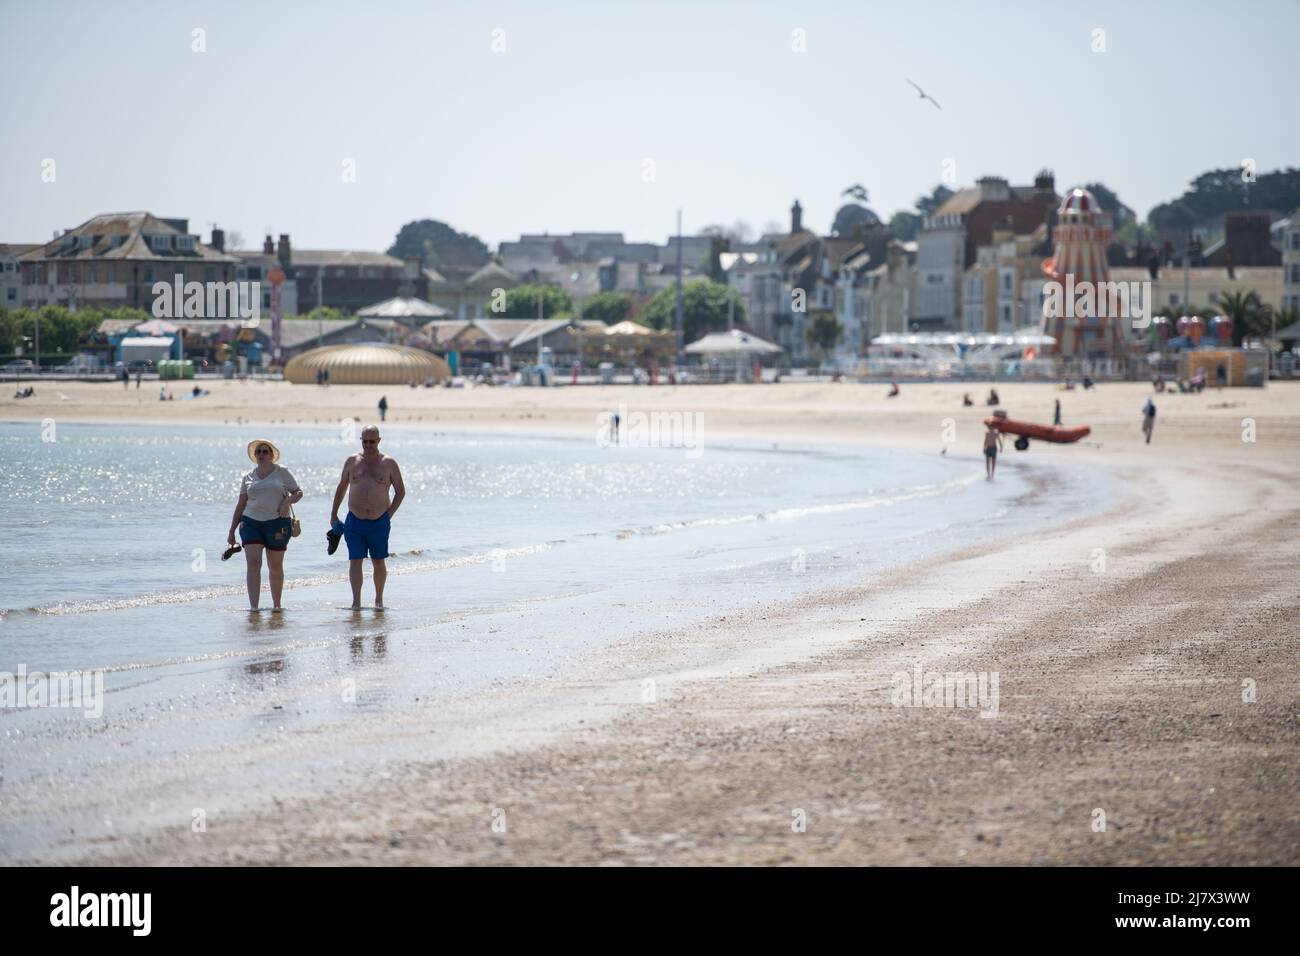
139	374
1148	419
126	378
266	496
1221	376
383	407
1056	419
366	478
992	445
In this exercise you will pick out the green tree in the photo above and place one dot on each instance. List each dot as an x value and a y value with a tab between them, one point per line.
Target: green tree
705	306
439	244
926	205
1176	312
521	303
824	332
1248	313
1120	214
61	332
9	330
854	215
738	231
851	217
1284	317
608	307
326	312
905	225
1218	191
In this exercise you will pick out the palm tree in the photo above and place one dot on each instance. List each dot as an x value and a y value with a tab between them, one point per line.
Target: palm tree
1248	313
1285	317
1176	312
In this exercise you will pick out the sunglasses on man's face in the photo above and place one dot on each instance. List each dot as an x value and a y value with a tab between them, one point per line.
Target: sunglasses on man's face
263	451
370	441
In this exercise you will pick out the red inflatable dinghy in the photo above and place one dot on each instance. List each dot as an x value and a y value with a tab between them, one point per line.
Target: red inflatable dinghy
1052	433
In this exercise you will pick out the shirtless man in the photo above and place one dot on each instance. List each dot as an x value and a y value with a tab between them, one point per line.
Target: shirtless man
992	444
366	478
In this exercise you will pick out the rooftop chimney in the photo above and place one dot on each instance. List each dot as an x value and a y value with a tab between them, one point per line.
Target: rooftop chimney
796	217
993	188
218	239
284	254
268	247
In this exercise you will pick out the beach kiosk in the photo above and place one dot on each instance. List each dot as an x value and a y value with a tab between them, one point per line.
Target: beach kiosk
741	351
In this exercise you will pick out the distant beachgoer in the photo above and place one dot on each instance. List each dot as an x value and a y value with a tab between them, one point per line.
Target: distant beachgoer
613	426
967	401
1221	376
266	495
383	407
366	478
993	397
992	445
893	390
1087	383
162	394
1148	419
1056	419
139	374
126	378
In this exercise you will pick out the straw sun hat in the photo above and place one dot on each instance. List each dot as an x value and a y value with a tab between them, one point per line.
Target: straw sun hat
253	446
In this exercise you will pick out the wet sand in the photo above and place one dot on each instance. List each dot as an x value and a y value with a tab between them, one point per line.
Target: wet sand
1146	660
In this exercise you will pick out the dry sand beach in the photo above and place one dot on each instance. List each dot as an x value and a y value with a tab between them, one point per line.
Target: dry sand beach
1147	661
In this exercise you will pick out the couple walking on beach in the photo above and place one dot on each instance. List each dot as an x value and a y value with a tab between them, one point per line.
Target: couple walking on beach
264	516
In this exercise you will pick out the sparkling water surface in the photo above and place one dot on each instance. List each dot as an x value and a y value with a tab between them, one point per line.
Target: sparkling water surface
514	558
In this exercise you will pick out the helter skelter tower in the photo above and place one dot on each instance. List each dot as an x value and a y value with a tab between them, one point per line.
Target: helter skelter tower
1082	317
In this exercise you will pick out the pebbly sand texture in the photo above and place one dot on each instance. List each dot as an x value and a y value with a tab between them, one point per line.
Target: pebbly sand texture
1147	660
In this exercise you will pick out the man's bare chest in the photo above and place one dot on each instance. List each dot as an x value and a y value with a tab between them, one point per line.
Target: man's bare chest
367	474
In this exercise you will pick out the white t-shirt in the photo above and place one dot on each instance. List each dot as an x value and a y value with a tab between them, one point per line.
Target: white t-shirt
265	494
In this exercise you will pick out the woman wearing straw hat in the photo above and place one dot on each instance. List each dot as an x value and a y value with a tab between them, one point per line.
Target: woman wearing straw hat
262	516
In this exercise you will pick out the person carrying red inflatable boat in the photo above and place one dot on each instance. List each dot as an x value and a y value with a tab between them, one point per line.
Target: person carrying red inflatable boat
1056	434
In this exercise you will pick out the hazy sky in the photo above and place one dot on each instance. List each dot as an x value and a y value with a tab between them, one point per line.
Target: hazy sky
553	133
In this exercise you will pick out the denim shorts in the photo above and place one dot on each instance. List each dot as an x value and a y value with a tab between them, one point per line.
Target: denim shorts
275	534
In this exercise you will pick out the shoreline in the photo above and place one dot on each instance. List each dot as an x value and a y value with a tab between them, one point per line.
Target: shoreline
1121	691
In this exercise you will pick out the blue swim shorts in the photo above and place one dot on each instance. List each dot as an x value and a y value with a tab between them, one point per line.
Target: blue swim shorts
366	539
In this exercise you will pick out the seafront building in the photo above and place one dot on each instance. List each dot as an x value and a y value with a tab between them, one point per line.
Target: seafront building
112	261
976	267
950	239
11	277
1289	296
1200	287
1002	291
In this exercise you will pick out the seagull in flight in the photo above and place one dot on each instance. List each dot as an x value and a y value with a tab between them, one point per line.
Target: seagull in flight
925	96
